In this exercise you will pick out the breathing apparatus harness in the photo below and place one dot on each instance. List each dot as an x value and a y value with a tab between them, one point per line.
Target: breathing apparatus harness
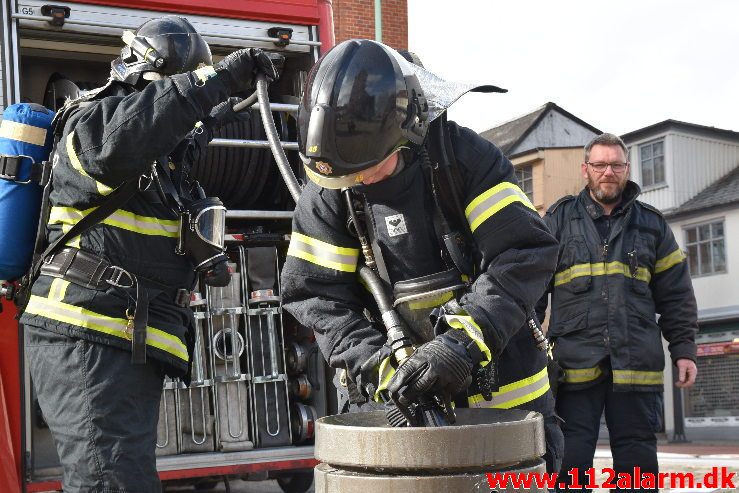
201	236
458	251
430	410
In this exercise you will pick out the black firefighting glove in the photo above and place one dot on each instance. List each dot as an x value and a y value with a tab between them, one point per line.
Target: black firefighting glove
223	113
441	367
239	69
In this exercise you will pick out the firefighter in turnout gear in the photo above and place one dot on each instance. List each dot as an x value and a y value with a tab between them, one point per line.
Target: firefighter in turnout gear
108	315
364	125
619	265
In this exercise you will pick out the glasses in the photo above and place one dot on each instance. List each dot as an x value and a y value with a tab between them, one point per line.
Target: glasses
600	167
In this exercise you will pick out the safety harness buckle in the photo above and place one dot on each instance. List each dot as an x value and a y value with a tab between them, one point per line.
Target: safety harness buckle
116	274
10	167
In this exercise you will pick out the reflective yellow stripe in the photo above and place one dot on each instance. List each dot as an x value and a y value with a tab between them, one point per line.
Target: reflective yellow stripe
516	393
74	315
434	301
58	289
386	372
23	132
637	377
600	269
324	254
582	375
669	261
468	324
493	200
129	221
76	164
73	242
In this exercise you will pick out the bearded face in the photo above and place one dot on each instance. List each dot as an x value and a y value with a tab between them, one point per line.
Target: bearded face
607	185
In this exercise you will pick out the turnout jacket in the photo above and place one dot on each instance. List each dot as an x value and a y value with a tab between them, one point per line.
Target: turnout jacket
605	294
113	137
516	255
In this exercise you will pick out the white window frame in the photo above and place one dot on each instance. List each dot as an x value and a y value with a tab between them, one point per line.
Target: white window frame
654	184
699	241
523	179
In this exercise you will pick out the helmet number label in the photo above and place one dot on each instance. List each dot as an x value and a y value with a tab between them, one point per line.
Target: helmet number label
396	225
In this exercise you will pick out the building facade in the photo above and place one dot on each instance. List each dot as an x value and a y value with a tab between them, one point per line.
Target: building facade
691	173
546	148
356	19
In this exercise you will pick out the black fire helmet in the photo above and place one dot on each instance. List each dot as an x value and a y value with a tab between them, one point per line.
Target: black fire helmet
160	47
361	103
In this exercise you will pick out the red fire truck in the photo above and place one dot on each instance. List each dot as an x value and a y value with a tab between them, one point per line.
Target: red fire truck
259	381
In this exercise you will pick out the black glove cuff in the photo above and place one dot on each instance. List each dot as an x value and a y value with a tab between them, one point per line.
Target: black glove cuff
203	96
228	80
461	337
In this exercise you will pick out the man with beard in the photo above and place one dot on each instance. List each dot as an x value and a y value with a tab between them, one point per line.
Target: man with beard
618	266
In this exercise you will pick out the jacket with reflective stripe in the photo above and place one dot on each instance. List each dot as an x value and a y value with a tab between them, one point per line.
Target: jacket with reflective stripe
605	297
516	259
114	138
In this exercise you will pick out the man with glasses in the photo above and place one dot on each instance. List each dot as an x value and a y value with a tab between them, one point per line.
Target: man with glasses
618	267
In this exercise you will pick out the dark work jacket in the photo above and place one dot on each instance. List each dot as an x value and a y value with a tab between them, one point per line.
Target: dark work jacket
516	260
606	294
113	138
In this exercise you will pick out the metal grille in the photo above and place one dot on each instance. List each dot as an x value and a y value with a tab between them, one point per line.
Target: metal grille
716	391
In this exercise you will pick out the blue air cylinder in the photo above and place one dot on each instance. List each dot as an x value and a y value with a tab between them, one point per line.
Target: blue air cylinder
25	131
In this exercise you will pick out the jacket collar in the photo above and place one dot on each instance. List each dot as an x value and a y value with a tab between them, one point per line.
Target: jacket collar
405	176
595	210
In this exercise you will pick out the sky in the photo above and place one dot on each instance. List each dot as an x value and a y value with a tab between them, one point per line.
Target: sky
618	65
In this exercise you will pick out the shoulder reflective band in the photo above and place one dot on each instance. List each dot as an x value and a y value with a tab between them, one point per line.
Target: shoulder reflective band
637	377
121	219
324	254
76	164
80	317
516	393
468	324
670	260
599	269
581	375
493	200
23	132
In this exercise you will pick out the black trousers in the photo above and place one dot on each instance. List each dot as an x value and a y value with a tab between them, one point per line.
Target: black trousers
632	419
102	412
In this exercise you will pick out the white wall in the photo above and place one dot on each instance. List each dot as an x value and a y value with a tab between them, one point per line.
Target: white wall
691	164
717	290
699	161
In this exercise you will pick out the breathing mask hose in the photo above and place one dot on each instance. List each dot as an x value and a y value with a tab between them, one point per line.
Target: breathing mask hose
369	257
428	411
274	139
398	340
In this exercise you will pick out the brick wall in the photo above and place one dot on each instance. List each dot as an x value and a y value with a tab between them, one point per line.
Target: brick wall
356	19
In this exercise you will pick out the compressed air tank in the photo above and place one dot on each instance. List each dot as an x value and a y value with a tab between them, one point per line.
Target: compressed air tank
25	131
